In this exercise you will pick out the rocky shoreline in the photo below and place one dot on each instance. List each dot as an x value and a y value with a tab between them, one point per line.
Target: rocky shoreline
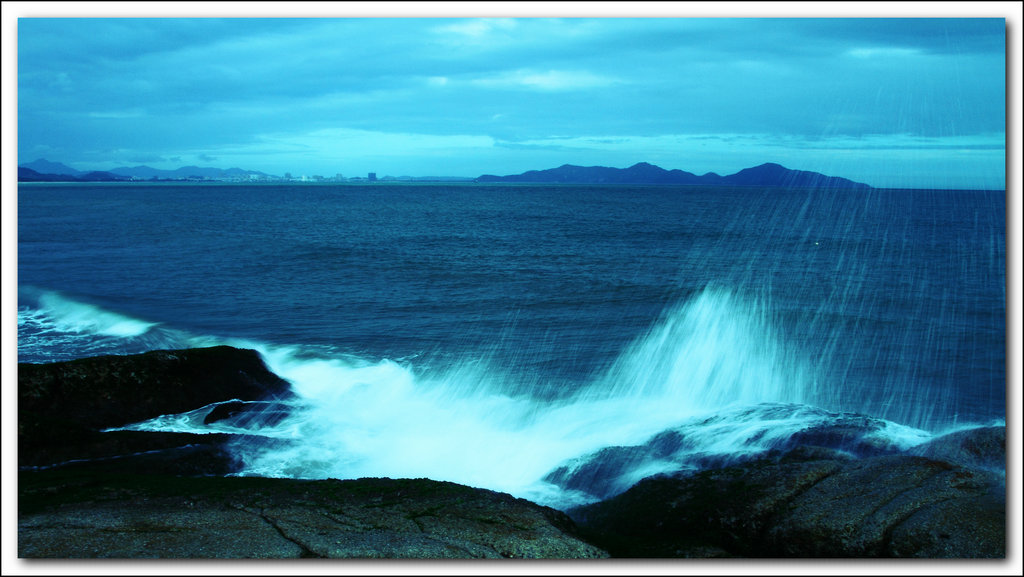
113	515
83	493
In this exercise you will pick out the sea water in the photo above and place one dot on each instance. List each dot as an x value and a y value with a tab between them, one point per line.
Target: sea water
558	342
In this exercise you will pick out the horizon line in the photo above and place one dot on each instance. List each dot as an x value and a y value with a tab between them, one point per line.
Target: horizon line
452	178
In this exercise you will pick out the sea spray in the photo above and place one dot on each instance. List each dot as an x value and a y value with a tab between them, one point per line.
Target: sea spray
710	382
726	437
53	326
714	350
384	419
714	355
68	315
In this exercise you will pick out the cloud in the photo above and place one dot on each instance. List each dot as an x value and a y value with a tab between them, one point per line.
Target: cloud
332	150
939	36
910	142
883	52
992	141
144	159
593	89
119	114
549	80
62	81
477	28
345	140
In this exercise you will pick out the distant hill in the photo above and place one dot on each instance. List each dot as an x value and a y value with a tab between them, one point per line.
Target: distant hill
29	175
768	174
43	170
771	174
44	166
185	172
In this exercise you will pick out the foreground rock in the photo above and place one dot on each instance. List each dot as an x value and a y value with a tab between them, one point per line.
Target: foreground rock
612	470
66	514
63	407
981	448
809	503
127	494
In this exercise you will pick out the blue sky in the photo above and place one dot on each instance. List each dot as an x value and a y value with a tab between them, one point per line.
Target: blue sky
916	102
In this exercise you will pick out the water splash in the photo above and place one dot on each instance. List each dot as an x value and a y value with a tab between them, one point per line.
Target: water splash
711	381
714	355
53	327
715	350
68	315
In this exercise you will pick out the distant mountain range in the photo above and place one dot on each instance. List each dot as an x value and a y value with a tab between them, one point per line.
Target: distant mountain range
30	175
44	170
768	174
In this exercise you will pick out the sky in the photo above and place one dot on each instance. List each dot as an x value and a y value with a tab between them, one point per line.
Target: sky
892	102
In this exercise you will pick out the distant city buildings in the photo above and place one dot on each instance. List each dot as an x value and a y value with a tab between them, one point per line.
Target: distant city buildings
290	177
338	177
234	175
255	177
56	172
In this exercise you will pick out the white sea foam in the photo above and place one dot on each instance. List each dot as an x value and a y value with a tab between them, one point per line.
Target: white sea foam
55	327
714	355
713	370
72	316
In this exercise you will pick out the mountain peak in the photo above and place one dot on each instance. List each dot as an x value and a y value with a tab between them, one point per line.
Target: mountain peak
768	174
43	166
44	170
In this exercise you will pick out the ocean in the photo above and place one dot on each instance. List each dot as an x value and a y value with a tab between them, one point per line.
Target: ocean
556	342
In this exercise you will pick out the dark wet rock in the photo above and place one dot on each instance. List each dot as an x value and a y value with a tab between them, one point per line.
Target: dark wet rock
113	390
611	470
961	527
224	411
858	435
86	515
130	494
809	502
983	447
64	406
148	452
681	516
599	474
248	414
856	511
87	493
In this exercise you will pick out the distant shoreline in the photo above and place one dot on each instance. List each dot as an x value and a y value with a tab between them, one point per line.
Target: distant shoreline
641	174
468	183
